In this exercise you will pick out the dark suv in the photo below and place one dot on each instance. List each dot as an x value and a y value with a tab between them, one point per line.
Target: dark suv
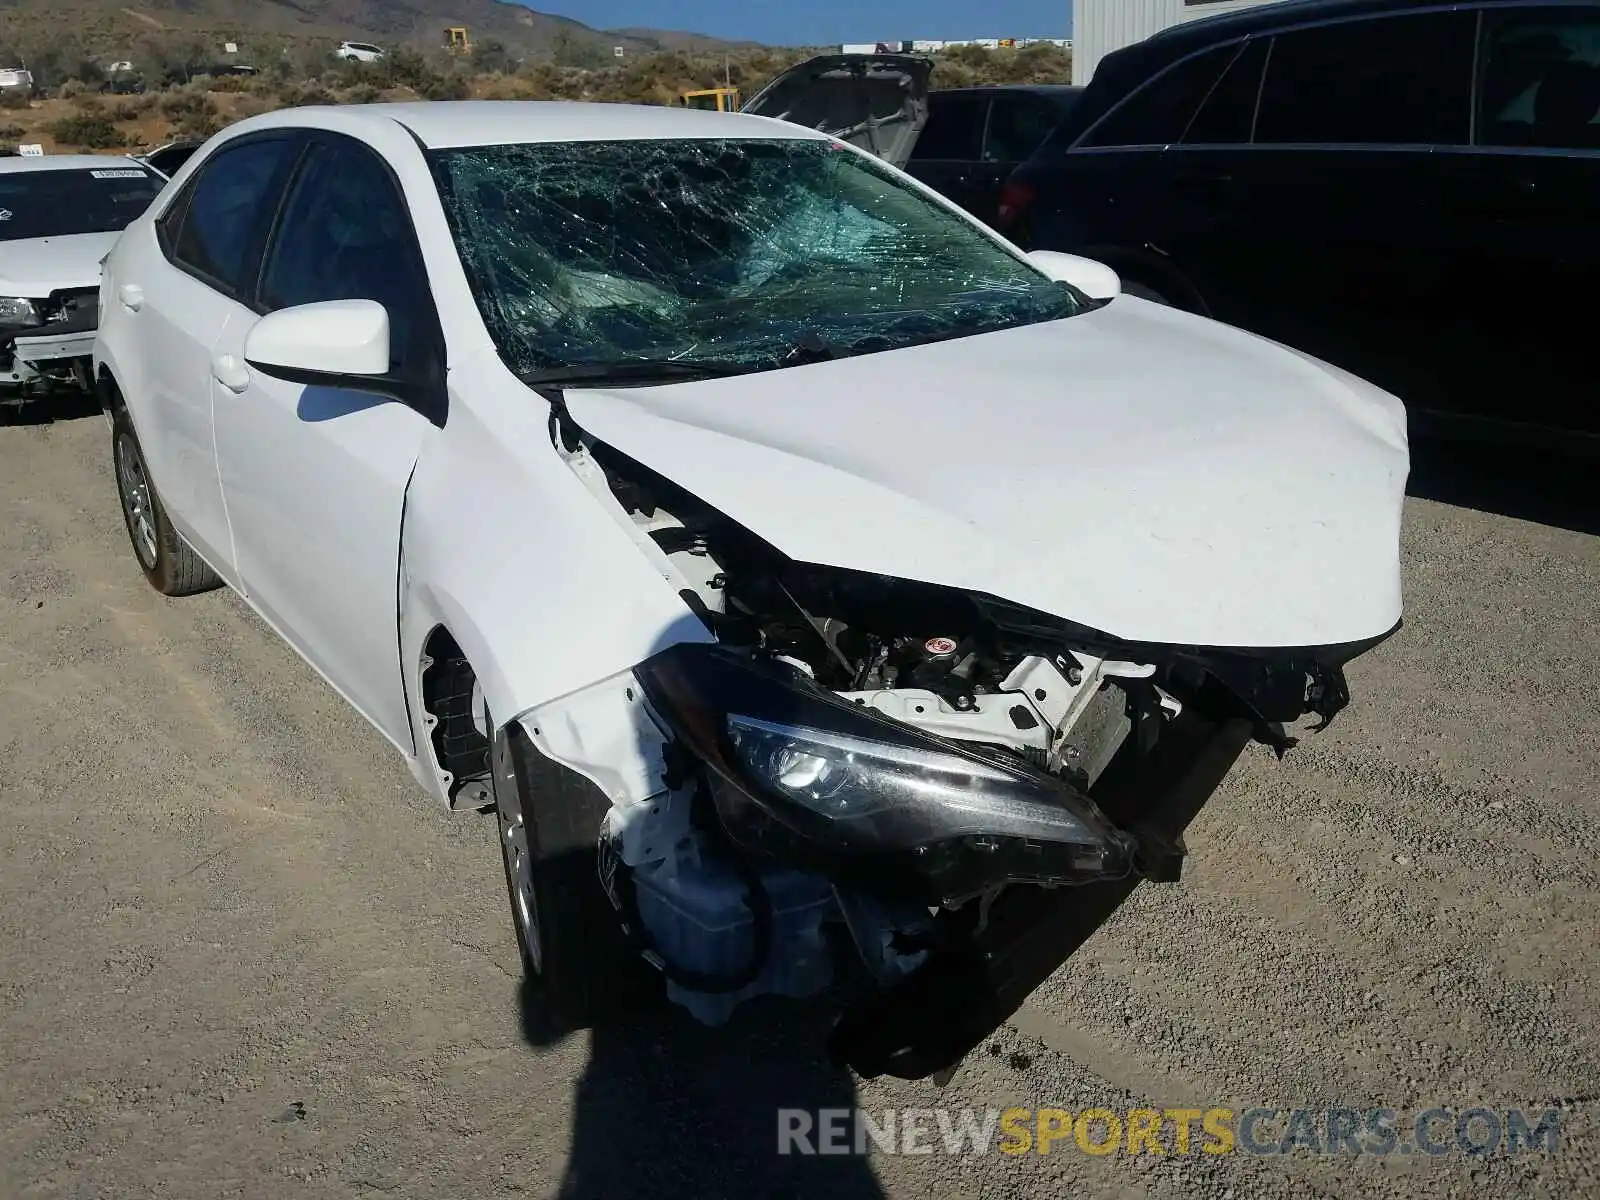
975	137
1410	190
963	142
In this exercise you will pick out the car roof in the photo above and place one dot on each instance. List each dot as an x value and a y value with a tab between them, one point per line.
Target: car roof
446	124
64	162
1239	22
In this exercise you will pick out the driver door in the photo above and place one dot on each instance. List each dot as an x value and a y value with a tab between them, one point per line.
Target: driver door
314	478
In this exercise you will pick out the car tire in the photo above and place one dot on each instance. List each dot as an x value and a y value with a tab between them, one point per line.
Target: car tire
580	970
168	562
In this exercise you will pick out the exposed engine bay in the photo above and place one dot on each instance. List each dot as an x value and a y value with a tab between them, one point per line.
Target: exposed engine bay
927	775
47	348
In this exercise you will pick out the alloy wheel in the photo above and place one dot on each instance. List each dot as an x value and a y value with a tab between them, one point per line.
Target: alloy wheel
137	508
514	844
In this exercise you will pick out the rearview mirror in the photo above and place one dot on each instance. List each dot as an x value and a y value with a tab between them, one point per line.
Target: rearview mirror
337	343
1093	279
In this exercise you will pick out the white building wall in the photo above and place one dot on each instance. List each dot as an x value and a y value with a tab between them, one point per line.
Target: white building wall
1101	26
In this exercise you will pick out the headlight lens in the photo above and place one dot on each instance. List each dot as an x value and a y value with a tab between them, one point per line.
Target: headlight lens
850	778
14	310
799	773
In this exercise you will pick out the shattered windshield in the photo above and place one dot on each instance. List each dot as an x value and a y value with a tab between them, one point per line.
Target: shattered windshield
47	203
732	254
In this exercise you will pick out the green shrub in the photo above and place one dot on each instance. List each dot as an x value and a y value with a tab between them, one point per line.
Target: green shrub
308	94
183	101
132	108
10	133
88	130
443	87
253	106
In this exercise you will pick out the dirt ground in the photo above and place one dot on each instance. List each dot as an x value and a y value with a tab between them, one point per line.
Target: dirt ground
241	955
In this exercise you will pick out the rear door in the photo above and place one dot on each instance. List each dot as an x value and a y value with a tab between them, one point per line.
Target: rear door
176	300
1525	203
946	156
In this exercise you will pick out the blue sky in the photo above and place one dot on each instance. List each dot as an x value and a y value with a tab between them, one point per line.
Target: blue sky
821	22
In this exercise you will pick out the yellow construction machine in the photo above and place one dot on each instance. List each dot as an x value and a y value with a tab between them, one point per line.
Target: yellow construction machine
722	99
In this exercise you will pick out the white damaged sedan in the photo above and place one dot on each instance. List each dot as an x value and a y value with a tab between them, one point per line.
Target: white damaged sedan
818	588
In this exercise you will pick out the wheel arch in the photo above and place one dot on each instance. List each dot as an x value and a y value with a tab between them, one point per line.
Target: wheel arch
108	390
452	743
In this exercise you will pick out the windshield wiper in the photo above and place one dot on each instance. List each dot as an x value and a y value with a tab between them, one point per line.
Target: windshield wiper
809	347
634	370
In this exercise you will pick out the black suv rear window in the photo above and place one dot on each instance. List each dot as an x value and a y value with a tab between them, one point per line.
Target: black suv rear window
1159	112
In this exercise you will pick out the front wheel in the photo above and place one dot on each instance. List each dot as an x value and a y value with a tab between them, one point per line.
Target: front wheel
574	952
168	562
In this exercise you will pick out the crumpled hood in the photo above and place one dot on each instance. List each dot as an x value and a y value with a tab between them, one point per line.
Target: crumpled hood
1151	474
35	267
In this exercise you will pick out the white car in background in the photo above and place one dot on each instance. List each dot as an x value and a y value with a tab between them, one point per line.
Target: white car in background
59	216
16	79
788	560
358	52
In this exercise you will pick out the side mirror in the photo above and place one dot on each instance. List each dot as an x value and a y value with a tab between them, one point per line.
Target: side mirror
1093	279
337	343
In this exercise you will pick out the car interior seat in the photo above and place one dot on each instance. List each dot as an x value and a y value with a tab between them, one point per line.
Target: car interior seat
1566	105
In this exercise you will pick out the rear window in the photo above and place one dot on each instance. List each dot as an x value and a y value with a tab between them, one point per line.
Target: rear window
59	202
1017	124
954	132
1384	81
1228	115
1159	112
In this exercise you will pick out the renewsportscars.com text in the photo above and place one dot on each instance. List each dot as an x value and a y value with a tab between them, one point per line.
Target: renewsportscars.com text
1104	1131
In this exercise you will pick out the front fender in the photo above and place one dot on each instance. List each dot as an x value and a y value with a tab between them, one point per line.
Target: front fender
542	589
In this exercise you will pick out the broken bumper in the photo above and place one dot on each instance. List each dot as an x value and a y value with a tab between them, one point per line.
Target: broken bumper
945	1008
37	352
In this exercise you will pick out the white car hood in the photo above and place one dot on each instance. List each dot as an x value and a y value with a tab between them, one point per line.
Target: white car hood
1153	475
35	267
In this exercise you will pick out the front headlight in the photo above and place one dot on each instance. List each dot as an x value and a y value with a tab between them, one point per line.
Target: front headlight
14	310
799	773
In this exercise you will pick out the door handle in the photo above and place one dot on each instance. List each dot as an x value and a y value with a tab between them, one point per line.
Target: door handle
230	372
131	296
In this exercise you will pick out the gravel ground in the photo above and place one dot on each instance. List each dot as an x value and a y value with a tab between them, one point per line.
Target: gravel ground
240	954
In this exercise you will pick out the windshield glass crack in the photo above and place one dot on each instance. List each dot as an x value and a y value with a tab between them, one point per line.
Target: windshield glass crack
734	252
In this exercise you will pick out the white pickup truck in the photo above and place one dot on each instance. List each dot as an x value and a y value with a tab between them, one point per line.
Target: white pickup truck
59	217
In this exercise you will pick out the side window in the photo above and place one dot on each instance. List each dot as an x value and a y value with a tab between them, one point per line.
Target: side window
1017	124
346	235
1383	81
1159	112
232	194
1539	79
169	160
170	223
954	132
1228	116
